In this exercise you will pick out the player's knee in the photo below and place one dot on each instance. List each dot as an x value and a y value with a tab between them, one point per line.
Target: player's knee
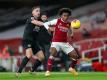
79	55
29	52
41	58
53	52
29	55
73	55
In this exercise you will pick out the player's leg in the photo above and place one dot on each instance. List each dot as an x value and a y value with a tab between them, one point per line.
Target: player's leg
68	49
74	61
25	60
50	62
39	60
79	56
47	54
73	57
53	52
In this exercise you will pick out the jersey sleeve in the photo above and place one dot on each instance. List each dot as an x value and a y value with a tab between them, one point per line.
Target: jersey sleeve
52	22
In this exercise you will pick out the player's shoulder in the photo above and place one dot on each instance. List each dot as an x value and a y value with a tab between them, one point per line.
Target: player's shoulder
28	23
28	20
56	19
53	21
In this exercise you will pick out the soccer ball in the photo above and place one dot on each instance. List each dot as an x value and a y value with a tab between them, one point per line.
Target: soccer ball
75	24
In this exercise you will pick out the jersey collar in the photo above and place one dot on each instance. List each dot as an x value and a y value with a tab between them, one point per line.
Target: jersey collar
63	21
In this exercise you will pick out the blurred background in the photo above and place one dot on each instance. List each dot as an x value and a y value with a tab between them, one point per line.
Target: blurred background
90	40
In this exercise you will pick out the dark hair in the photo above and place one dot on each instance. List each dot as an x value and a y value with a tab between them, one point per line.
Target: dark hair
35	7
44	13
64	10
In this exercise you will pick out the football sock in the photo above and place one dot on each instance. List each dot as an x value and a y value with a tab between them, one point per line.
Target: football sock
73	64
23	64
49	64
36	64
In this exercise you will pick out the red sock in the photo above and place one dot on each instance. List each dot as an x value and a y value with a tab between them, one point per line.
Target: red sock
49	64
73	64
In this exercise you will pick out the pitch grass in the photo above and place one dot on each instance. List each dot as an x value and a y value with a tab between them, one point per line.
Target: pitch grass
55	76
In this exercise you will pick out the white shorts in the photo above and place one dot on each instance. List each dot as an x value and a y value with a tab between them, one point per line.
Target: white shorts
65	47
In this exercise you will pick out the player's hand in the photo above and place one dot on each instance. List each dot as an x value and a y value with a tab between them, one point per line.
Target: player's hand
51	29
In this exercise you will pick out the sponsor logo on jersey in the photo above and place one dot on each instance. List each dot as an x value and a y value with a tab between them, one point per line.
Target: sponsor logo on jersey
29	45
62	28
36	29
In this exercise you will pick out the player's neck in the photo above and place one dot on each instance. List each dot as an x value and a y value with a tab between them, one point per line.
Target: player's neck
65	21
35	17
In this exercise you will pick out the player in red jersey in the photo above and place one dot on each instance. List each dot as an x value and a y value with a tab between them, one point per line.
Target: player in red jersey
59	41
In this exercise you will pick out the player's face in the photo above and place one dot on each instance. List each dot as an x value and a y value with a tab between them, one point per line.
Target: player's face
65	16
44	17
36	12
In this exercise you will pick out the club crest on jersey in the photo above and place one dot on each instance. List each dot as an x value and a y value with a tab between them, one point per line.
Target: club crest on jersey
68	25
29	45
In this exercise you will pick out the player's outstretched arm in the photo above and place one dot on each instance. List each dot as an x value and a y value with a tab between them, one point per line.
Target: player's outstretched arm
46	24
50	23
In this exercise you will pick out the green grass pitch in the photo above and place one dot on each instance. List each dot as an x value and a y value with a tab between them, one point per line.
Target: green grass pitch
55	76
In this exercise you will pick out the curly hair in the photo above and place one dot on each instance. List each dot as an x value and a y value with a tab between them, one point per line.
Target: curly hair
64	10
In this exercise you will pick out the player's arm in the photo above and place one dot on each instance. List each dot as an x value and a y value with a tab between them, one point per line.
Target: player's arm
36	22
70	32
41	24
46	24
50	23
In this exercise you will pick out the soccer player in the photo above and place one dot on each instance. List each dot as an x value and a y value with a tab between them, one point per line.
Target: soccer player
59	41
44	38
30	42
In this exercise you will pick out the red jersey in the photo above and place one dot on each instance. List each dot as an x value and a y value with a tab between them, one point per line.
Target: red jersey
61	30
